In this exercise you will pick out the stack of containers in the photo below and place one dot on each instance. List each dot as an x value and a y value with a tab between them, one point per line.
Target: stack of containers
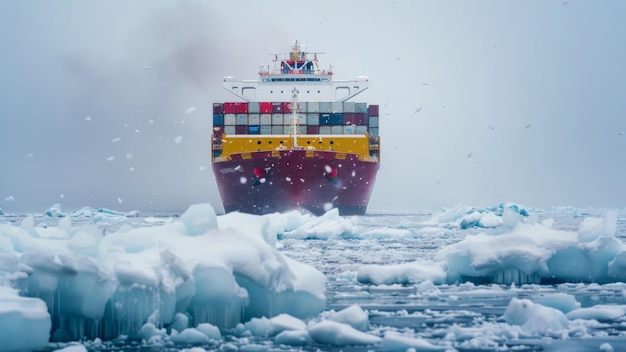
267	118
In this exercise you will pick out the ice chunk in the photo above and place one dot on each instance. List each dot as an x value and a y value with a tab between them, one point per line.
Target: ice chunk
405	273
199	218
534	318
396	342
19	315
333	333
353	316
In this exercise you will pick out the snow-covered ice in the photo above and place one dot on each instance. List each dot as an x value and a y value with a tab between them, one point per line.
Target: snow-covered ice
496	278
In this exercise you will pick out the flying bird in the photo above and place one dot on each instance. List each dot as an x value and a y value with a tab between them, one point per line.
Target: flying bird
418	109
491	127
528	126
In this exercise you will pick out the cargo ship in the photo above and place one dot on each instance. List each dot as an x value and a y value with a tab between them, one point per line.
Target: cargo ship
294	141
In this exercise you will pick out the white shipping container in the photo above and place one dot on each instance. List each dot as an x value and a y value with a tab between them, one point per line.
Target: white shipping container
349	106
302	129
266	129
266	119
242	119
230	119
324	129
325	107
312	119
312	106
336	129
361	108
229	129
254	119
253	107
278	129
336	106
360	130
373	121
286	129
277	119
373	131
349	129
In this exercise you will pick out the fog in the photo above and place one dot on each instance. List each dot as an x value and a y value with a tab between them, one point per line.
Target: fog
108	103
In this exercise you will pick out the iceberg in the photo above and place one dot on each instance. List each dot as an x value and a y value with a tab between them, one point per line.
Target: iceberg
192	276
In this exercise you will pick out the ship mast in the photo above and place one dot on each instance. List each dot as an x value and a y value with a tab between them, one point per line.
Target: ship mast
294	117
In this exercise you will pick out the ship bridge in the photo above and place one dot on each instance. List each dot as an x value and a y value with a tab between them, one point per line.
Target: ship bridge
296	70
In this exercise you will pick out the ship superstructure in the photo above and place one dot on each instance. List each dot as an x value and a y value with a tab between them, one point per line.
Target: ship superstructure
295	141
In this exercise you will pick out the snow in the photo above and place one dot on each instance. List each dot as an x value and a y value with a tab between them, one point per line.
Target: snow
232	281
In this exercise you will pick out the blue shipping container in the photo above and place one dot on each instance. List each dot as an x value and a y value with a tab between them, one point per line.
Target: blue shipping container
254	129
336	119
218	119
325	120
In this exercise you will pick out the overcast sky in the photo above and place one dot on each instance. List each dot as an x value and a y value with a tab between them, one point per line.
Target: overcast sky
108	103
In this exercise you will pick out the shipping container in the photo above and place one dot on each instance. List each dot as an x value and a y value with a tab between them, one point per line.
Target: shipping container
348	118
312	129
277	119
372	110
286	129
254	129
230	119
324	107
324	119
312	119
336	129
360	119
277	129
361	108
241	119
253	107
324	129
302	120
277	107
302	107
349	106
312	106
266	129
241	108
302	129
218	108
373	131
265	107
286	107
349	129
336	118
229	129
241	129
229	108
266	119
254	119
373	121
218	119
360	129
336	106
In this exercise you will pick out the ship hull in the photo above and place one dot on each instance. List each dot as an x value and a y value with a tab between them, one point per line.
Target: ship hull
279	181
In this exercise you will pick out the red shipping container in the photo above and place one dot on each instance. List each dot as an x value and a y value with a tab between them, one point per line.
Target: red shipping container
348	118
241	129
372	110
265	107
285	107
312	129
360	119
277	108
229	108
241	108
218	108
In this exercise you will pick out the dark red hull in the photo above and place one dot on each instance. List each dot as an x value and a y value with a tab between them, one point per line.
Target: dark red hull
267	182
